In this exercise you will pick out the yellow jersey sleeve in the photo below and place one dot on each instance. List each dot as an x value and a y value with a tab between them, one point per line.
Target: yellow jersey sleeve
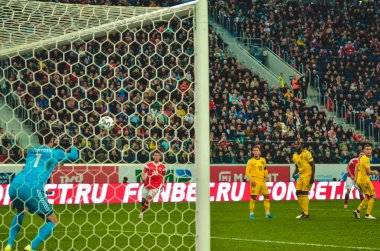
296	159
366	162
248	169
302	161
308	156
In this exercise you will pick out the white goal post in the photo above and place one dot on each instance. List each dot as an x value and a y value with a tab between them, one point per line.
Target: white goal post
202	126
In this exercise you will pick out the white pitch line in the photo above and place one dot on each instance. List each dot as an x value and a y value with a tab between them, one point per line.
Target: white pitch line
295	243
228	238
322	209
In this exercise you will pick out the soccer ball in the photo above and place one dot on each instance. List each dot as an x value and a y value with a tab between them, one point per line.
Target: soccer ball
106	123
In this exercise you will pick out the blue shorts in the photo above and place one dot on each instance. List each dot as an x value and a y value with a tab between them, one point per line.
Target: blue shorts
32	198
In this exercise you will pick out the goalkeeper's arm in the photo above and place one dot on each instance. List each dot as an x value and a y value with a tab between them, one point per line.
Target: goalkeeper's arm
62	156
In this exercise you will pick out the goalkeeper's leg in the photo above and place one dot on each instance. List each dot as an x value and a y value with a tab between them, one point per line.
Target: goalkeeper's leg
17	220
14	229
45	231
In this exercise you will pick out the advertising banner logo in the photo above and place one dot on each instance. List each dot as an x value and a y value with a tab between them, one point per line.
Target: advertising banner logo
236	173
181	192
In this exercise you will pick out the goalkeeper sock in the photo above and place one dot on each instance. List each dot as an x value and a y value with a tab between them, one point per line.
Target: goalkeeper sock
305	201
300	201
251	206
362	204
346	198
267	206
371	202
45	231
15	228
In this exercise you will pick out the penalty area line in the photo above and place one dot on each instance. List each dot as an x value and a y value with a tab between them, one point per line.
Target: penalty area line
294	243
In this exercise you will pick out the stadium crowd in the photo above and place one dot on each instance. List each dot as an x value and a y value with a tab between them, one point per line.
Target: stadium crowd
246	110
10	149
344	50
70	88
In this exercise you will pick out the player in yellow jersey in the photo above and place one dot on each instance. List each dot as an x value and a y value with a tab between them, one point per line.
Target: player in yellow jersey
362	179
305	166
257	173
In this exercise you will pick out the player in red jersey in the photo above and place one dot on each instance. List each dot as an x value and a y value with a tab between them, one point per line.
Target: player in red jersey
352	164
153	177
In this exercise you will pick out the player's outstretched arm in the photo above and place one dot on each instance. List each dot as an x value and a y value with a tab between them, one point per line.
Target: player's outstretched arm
62	156
73	154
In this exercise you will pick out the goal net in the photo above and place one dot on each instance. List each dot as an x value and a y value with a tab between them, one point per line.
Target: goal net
65	66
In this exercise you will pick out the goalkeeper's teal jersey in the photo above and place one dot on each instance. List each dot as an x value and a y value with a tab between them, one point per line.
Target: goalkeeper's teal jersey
40	163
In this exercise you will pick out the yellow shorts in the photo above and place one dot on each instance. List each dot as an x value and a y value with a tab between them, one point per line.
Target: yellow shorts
259	189
303	184
366	186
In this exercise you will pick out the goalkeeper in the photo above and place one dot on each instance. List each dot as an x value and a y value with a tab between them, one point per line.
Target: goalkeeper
27	188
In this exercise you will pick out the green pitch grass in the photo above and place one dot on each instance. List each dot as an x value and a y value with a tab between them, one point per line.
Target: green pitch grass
113	227
330	227
172	226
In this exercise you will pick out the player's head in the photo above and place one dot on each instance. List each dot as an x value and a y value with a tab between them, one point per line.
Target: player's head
157	156
45	137
367	149
298	146
256	151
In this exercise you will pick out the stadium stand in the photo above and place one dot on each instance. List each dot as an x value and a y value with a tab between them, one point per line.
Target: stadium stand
72	104
344	50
